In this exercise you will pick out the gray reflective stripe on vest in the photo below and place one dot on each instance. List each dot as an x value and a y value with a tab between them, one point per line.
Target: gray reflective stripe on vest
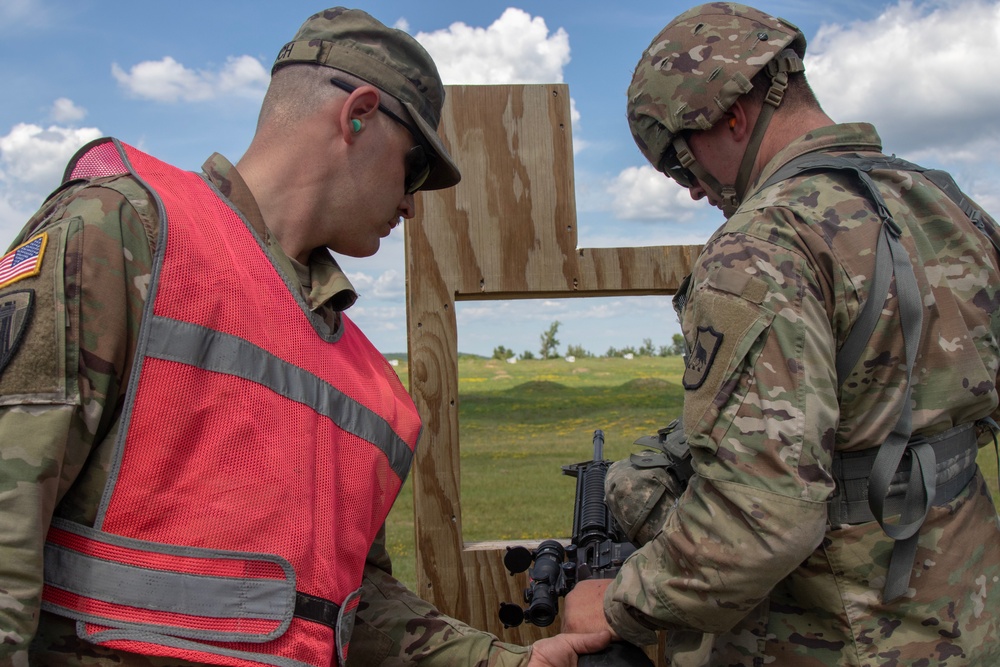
137	635
212	350
891	260
169	591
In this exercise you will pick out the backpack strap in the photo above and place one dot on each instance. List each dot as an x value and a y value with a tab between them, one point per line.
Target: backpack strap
891	261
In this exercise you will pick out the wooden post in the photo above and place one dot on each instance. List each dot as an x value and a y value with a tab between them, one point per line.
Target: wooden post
507	231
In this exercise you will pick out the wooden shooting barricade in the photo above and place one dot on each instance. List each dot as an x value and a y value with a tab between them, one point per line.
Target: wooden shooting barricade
507	231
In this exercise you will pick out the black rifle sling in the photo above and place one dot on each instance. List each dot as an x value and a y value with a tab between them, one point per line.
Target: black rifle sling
891	260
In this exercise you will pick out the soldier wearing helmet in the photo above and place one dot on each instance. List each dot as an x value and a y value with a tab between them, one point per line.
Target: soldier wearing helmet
700	71
842	375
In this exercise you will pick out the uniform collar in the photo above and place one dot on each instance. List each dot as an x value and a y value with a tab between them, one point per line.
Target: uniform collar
832	138
323	282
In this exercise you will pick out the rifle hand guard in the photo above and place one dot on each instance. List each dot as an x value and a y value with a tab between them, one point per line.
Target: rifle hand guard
597	549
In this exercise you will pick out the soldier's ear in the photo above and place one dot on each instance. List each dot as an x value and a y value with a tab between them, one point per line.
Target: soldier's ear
360	107
738	121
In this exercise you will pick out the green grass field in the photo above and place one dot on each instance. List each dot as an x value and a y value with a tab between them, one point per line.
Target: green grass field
520	423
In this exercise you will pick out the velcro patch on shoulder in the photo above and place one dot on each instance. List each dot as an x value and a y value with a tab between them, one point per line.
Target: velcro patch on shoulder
701	358
23	261
15	314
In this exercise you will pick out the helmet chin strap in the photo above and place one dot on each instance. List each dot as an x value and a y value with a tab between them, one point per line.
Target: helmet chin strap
730	196
725	194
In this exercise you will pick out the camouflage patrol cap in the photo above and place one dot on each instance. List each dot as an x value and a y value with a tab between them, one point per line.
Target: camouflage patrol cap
698	65
353	41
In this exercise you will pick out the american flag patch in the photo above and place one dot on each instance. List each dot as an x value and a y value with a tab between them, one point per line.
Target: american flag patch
23	261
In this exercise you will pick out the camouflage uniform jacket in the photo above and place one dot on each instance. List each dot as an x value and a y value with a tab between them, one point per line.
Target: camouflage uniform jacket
61	396
747	551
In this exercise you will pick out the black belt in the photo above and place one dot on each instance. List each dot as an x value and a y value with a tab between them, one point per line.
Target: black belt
955	452
317	610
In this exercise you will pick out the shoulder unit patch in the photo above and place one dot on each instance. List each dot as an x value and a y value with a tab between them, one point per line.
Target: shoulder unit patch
23	261
701	358
15	314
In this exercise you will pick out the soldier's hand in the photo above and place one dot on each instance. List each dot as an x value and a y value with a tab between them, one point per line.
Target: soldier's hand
584	608
562	650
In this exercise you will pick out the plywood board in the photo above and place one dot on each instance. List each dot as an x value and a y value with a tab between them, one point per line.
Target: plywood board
507	231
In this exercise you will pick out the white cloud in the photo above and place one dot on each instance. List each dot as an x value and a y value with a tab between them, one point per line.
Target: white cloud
402	24
516	48
388	285
990	201
642	193
167	80
11	221
35	157
921	74
14	12
574	115
385	326
32	160
64	110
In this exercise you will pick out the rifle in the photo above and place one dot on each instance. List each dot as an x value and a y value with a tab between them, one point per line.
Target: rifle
597	550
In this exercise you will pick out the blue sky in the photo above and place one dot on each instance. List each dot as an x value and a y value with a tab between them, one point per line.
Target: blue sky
182	80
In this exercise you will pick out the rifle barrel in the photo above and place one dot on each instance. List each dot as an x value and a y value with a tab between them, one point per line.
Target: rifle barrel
598	445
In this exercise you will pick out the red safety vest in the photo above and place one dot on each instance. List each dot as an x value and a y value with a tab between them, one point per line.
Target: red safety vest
258	456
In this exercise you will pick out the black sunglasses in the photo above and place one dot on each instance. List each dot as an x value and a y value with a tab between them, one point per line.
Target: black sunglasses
670	165
417	160
675	160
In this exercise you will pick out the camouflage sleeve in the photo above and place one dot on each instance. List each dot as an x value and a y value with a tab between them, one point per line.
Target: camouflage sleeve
395	627
65	350
760	412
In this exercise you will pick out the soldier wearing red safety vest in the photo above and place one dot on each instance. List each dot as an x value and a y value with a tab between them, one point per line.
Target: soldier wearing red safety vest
235	567
199	449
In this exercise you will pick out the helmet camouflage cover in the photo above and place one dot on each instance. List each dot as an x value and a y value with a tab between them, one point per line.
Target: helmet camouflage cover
698	65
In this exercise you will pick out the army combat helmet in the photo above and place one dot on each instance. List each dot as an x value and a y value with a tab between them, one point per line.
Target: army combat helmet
690	75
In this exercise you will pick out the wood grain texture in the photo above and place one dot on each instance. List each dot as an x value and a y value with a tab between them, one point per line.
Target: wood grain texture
507	231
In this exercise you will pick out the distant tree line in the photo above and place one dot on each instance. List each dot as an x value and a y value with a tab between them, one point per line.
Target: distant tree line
549	348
